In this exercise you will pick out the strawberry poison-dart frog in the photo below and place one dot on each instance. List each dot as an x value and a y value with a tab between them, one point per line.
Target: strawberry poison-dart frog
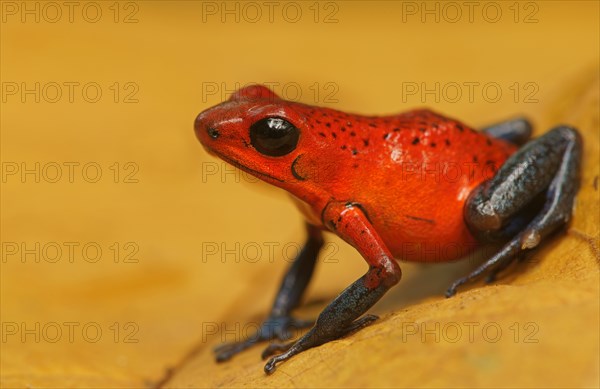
416	186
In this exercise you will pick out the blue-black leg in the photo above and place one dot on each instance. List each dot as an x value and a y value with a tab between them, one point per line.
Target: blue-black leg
493	273
343	315
547	166
516	131
280	324
337	320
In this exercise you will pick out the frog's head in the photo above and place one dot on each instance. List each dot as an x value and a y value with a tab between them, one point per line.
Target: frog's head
261	134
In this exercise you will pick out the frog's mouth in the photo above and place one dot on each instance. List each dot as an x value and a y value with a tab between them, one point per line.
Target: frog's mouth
238	165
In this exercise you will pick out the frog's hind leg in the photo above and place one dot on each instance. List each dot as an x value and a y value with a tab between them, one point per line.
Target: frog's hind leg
547	166
516	131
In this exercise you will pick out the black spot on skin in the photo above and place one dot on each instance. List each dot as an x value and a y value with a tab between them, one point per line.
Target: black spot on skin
460	128
339	218
447	141
422	129
362	232
432	144
373	125
334	135
366	142
343	129
416	140
318	121
324	113
355	166
396	129
420	219
344	147
488	141
354	151
328	124
336	120
435	125
322	134
386	136
475	159
312	125
352	133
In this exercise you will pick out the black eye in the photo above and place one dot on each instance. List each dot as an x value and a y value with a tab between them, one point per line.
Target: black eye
274	136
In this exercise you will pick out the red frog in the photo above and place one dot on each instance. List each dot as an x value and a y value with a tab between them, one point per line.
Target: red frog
415	186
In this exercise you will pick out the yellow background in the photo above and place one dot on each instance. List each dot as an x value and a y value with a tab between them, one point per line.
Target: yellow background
171	56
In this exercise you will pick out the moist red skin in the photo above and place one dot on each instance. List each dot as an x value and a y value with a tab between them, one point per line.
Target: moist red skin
411	173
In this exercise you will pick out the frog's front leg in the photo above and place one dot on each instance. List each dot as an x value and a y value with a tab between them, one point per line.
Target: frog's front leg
280	324
547	166
342	315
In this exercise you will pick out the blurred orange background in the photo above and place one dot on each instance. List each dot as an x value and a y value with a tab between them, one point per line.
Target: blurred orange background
123	242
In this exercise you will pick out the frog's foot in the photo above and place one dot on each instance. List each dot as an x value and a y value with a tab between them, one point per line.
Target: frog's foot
548	165
282	328
356	325
311	339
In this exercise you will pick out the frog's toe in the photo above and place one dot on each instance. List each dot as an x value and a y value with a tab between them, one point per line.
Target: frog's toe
224	352
275	348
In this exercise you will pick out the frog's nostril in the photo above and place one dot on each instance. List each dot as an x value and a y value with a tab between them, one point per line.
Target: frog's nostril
213	133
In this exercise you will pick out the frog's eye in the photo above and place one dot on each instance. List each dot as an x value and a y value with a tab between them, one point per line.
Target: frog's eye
274	136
